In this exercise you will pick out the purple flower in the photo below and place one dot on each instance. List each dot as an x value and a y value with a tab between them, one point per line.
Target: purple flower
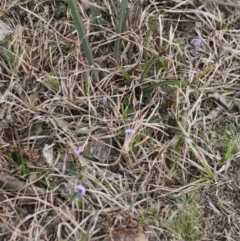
129	132
78	149
195	53
104	99
37	116
196	42
80	191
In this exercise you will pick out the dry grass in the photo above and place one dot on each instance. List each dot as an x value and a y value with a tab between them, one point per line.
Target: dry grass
177	174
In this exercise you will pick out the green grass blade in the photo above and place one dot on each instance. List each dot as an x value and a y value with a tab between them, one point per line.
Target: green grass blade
148	66
125	74
121	24
96	15
82	34
166	82
152	25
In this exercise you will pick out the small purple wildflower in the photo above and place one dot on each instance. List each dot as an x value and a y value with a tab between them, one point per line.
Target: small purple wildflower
196	42
195	53
129	132
104	99
78	149
37	116
80	191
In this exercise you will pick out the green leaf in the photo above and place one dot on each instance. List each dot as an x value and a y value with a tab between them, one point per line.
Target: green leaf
40	141
88	131
51	83
154	85
123	15
125	74
229	152
4	41
89	156
148	66
96	15
82	34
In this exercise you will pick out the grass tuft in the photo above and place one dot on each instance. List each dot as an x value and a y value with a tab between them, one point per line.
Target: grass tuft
129	129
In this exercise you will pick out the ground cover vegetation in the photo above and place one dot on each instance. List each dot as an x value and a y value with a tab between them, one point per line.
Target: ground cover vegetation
120	120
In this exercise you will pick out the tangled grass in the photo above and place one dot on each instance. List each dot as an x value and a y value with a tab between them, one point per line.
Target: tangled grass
175	176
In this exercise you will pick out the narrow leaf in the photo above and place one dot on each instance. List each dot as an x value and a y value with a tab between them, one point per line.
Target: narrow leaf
121	23
82	34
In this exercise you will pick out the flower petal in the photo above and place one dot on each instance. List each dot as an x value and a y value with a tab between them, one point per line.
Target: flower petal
195	53
129	132
196	42
37	116
80	190
104	99
78	149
